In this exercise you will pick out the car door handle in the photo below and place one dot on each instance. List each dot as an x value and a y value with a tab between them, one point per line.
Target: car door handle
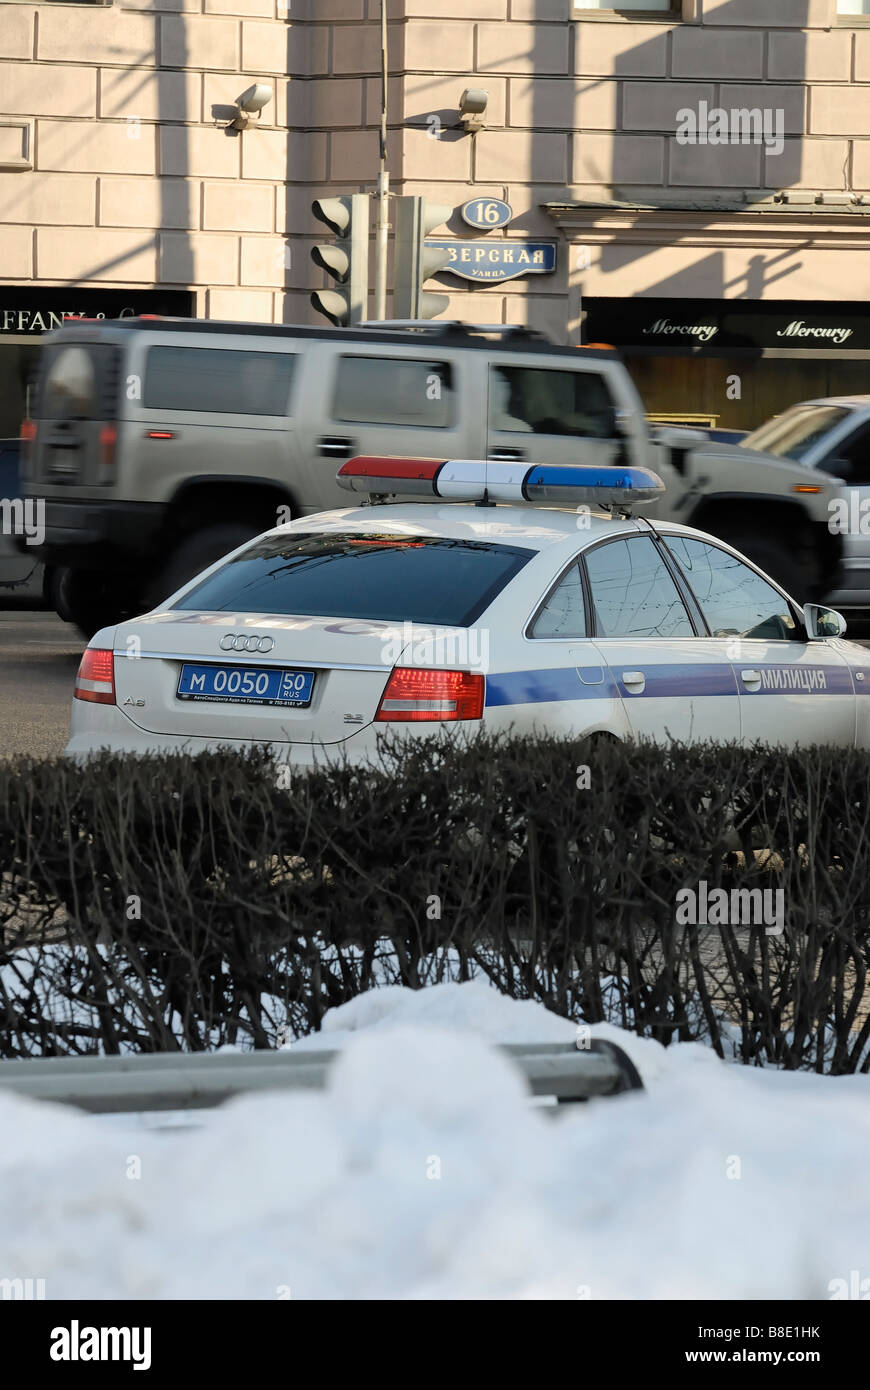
750	677
334	446
506	455
634	681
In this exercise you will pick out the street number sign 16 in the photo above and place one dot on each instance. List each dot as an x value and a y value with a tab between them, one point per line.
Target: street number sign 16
485	213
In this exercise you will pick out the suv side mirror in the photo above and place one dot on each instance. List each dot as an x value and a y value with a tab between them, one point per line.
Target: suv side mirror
823	622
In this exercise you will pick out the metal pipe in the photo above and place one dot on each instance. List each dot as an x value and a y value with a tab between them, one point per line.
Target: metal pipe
383	219
194	1080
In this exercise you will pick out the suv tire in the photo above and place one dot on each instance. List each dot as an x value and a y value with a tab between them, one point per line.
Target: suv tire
196	552
90	599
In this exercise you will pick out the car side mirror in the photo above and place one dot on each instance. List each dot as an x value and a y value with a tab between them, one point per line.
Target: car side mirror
823	622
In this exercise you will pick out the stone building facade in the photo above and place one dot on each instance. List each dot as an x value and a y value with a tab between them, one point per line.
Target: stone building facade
121	185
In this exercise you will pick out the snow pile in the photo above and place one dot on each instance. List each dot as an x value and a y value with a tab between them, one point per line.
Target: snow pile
423	1172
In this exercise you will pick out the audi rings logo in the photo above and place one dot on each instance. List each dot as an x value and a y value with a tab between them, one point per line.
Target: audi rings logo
246	642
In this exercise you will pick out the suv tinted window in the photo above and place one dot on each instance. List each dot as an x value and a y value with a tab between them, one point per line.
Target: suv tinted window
564	613
347	575
542	401
218	380
733	598
393	391
633	593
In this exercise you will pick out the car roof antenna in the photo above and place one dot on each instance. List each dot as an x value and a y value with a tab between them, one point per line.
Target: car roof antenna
484	500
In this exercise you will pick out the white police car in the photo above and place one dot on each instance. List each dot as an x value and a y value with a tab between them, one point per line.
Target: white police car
321	634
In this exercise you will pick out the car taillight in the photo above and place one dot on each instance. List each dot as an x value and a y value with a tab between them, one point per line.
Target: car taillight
28	434
95	680
424	695
108	440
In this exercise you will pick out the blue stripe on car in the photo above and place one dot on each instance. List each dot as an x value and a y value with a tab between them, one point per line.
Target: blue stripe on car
663	681
536	687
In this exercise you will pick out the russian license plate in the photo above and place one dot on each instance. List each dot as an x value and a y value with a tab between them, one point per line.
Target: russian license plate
246	685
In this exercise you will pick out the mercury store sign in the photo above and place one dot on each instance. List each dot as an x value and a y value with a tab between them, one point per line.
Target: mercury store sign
798	329
702	332
30	311
720	326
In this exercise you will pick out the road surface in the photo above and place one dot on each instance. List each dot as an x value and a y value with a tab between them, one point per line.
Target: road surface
39	656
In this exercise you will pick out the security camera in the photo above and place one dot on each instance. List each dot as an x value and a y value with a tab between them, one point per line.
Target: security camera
253	100
472	105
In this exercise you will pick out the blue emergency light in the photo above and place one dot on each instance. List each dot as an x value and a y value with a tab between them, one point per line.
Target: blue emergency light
490	480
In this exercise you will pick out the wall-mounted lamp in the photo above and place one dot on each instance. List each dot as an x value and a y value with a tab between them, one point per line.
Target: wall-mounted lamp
249	103
472	105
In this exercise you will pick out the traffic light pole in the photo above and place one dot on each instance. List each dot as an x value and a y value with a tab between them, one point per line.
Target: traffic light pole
383	222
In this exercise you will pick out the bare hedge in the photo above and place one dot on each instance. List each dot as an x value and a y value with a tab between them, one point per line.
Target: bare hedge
167	903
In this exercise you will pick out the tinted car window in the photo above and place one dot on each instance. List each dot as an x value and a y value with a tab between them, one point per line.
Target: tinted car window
347	575
542	401
564	613
217	380
633	594
733	598
393	391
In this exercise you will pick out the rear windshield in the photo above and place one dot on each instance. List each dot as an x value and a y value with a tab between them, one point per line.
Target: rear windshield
420	579
78	382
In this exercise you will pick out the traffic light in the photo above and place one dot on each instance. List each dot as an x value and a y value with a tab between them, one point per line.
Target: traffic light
415	262
347	260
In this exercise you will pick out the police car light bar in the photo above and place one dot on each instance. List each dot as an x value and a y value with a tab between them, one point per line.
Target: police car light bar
478	480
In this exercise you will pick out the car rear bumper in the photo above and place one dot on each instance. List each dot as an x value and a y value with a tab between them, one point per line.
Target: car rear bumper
97	535
97	729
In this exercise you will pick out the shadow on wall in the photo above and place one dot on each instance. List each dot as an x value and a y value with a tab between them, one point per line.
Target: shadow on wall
643	162
175	259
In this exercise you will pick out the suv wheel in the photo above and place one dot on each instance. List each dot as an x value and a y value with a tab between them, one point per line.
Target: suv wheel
90	600
196	552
